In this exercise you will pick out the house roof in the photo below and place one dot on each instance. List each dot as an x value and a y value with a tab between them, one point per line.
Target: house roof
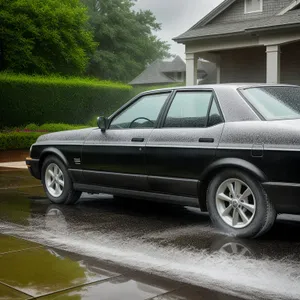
291	18
156	72
214	13
176	65
203	29
152	75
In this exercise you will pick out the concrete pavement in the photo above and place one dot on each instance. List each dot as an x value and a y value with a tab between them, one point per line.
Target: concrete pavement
103	248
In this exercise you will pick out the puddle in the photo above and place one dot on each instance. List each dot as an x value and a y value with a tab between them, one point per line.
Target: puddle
236	274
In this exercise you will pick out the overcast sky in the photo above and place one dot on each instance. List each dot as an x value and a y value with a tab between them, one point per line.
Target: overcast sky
176	16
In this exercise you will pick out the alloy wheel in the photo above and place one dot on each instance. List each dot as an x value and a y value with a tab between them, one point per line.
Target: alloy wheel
54	179
235	203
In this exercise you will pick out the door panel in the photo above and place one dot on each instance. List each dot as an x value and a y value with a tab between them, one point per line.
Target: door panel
116	151
177	154
181	152
111	158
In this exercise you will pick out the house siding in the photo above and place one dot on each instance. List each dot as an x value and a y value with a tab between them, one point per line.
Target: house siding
290	63
243	65
236	12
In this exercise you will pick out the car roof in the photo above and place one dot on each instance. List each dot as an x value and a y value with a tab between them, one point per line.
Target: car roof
222	85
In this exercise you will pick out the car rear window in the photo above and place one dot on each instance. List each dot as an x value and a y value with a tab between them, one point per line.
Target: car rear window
275	103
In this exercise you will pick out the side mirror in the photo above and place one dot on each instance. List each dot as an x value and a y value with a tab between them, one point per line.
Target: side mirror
102	123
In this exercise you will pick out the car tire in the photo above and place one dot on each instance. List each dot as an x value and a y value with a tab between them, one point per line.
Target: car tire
238	205
57	182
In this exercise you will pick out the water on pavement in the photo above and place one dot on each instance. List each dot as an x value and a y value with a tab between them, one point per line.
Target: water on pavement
171	242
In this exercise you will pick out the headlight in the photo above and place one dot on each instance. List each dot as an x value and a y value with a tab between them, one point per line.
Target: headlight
30	151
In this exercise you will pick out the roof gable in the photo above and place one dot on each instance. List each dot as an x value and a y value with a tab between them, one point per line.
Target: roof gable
152	75
229	19
291	6
285	6
214	13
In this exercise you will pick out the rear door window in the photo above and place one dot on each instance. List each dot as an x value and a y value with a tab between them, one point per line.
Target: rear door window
189	110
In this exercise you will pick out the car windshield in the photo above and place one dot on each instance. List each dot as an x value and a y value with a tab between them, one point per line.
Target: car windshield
275	103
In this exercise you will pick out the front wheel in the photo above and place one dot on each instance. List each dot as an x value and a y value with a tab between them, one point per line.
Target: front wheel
238	205
57	182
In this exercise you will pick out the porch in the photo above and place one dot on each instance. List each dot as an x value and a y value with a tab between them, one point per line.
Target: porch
272	58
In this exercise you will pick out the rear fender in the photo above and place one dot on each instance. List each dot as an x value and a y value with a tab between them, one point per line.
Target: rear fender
226	163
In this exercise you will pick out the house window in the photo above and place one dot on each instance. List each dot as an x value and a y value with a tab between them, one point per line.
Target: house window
252	6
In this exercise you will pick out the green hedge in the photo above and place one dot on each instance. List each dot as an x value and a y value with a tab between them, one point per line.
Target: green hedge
53	127
23	138
37	99
18	140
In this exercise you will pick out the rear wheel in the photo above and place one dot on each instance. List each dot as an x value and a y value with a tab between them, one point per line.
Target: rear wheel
57	182
238	204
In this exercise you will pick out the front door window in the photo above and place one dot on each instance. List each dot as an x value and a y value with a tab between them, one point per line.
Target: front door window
141	114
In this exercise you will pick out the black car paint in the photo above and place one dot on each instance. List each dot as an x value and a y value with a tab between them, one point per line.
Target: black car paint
173	164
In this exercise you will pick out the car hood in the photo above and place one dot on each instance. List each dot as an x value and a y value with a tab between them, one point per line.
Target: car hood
69	136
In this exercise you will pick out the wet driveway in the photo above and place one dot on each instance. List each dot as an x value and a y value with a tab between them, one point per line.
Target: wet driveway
103	248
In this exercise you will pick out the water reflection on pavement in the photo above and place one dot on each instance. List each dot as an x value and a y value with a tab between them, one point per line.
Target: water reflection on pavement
114	249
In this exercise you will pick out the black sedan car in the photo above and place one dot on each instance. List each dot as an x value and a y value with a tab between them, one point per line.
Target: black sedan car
232	150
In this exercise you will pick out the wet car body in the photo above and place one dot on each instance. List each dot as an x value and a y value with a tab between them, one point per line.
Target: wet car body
177	164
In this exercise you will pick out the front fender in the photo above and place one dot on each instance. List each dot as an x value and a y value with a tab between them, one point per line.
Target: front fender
55	151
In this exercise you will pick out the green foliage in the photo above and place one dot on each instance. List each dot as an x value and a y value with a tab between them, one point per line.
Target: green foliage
32	127
33	99
18	140
53	127
126	43
60	80
45	37
24	137
93	121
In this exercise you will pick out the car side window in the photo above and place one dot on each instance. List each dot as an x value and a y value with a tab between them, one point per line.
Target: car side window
215	117
141	114
189	109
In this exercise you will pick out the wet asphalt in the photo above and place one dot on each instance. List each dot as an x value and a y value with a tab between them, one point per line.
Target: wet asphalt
105	248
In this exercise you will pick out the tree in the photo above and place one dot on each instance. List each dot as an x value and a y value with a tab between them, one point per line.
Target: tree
126	43
45	36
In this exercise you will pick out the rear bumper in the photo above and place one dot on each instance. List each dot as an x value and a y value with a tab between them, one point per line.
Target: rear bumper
284	196
33	167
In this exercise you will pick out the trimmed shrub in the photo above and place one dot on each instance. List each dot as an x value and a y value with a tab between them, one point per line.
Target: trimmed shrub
23	138
18	140
32	127
37	99
59	127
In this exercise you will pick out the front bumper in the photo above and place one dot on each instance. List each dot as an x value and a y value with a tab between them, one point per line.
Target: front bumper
33	167
284	196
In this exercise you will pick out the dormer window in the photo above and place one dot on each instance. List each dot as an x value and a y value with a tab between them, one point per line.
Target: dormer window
253	6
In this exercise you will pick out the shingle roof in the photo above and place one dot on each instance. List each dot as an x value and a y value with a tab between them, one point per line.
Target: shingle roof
291	18
176	65
152	75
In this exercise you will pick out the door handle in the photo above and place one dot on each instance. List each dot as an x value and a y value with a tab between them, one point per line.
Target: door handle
206	140
138	140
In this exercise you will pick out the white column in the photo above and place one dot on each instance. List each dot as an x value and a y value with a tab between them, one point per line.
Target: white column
218	64
273	64
191	68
